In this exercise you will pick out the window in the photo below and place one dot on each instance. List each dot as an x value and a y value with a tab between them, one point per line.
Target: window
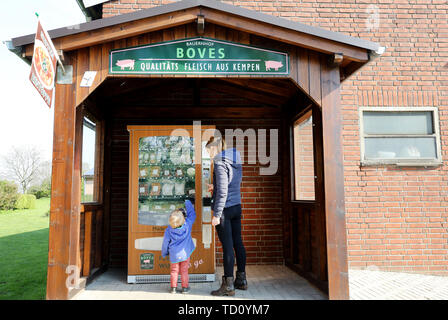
88	183
401	136
303	158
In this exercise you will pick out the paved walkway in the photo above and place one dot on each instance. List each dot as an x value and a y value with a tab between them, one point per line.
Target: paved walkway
265	282
276	282
378	285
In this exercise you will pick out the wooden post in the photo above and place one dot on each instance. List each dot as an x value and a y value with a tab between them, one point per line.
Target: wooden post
87	243
334	182
61	192
75	216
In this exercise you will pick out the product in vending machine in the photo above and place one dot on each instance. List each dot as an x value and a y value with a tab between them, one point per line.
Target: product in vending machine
191	172
166	173
143	173
155	189
167	189
179	188
143	189
152	157
155	172
179	173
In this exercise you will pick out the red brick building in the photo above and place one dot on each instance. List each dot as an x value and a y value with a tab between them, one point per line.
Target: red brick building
360	181
397	216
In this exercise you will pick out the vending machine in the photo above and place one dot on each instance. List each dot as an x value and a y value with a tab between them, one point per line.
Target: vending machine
167	165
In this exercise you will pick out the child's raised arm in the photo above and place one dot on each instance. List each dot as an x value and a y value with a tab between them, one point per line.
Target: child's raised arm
191	213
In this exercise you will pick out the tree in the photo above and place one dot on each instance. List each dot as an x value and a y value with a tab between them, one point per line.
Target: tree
23	164
8	195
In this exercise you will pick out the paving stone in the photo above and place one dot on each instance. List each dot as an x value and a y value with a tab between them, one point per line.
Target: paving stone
275	282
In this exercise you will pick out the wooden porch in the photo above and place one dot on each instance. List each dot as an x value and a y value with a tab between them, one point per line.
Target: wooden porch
313	232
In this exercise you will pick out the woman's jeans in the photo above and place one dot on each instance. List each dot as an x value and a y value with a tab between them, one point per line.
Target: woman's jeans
229	233
183	266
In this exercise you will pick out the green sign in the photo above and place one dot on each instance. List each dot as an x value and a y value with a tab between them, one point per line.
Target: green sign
147	261
198	56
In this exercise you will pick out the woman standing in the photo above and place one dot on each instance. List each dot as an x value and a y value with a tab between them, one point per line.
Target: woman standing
226	206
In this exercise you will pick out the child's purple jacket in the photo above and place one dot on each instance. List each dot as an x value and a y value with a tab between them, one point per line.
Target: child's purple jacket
177	243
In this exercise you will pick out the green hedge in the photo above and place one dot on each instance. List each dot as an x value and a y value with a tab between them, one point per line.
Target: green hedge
26	201
8	195
42	191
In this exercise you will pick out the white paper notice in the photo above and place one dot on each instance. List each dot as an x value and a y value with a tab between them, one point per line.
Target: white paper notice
87	79
206	214
207	235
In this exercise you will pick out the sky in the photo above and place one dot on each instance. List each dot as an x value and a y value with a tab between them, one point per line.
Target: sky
25	119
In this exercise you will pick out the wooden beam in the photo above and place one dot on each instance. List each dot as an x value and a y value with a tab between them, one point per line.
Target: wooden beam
87	243
319	194
284	35
61	188
75	223
334	182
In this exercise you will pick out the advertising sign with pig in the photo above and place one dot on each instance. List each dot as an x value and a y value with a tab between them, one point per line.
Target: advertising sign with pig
198	56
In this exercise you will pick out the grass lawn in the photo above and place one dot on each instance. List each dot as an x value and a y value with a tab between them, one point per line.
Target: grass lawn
24	252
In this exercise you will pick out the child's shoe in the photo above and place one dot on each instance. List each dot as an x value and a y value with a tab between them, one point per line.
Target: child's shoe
173	290
186	290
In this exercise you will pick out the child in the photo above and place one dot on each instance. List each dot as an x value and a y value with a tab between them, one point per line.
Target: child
178	244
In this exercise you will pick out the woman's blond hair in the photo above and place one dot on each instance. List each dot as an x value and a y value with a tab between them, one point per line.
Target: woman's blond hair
177	219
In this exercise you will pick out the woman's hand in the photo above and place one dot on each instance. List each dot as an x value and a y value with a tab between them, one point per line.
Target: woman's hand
210	187
216	221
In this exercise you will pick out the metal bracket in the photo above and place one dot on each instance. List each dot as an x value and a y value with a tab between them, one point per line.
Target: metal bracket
60	54
201	25
66	78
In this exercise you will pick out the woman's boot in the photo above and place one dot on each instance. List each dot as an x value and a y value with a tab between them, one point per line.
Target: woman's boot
240	281
227	288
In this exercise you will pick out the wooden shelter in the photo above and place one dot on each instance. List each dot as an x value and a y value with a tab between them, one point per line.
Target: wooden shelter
314	234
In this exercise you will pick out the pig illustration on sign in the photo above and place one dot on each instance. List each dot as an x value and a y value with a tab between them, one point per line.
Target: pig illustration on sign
273	65
128	63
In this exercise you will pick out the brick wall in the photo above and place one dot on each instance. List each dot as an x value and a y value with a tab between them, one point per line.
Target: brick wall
396	218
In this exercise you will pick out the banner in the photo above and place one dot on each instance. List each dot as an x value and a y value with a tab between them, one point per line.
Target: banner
43	66
198	56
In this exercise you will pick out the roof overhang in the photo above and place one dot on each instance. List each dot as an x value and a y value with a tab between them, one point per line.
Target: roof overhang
91	11
354	51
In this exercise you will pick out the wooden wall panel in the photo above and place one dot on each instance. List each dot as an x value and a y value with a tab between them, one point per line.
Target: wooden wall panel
314	78
303	76
95	64
83	64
